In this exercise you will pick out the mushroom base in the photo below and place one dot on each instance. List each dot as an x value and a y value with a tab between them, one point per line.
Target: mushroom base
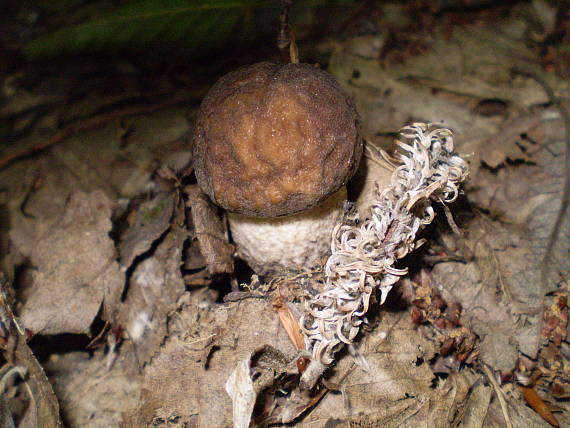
293	243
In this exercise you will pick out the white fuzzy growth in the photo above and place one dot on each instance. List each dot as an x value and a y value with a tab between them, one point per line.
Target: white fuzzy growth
292	243
138	326
364	250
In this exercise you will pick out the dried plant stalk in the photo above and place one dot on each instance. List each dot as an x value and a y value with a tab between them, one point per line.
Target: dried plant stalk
364	250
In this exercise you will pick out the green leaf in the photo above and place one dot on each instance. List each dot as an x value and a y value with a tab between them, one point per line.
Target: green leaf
187	27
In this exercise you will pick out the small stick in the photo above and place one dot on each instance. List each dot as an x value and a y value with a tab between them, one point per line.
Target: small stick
87	124
285	37
451	220
43	399
500	396
289	322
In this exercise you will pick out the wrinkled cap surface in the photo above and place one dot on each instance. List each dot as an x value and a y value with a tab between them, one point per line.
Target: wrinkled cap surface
273	139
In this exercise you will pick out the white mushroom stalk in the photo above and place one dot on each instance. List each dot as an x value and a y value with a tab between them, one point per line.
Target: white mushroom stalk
364	250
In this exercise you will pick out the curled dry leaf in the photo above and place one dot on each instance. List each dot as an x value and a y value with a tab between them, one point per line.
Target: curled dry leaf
43	408
239	387
211	232
260	375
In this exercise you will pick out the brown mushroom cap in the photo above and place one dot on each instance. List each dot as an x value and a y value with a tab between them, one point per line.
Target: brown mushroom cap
273	139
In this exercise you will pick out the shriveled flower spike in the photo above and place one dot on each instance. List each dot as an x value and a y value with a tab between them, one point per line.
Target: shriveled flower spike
364	249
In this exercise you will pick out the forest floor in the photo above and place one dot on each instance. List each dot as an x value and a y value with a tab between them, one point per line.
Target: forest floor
117	300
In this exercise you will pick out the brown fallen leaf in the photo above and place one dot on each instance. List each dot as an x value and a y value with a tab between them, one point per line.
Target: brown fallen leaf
152	219
533	400
210	231
75	268
289	323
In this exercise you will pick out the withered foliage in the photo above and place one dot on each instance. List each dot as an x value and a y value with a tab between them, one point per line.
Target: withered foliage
99	249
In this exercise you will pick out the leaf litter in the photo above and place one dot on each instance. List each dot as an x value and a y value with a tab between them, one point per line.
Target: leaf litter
68	287
168	349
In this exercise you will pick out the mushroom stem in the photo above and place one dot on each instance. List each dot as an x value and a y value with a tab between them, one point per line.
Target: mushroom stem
293	243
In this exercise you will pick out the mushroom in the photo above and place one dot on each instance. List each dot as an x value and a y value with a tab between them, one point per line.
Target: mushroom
274	145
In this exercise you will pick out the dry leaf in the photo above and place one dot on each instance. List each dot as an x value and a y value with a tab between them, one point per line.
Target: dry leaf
188	376
399	390
526	191
239	387
211	232
477	405
535	401
91	395
508	247
151	221
153	291
75	268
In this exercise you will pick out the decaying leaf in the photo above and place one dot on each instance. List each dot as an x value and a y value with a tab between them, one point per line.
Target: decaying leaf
476	406
207	341
526	191
399	389
505	250
444	84
39	199
154	288
239	387
211	232
91	395
75	268
475	285
152	219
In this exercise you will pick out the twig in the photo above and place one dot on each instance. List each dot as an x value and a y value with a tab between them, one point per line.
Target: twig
42	397
451	220
500	396
6	371
286	37
87	124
